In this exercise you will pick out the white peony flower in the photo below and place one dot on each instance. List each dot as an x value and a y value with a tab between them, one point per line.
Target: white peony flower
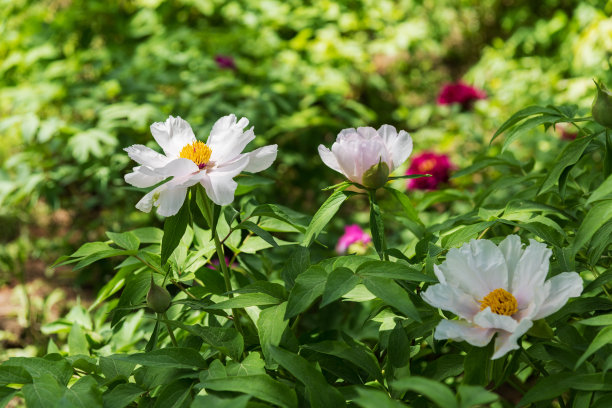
358	153
497	289
189	161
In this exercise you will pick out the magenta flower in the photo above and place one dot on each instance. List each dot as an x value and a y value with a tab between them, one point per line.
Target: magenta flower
225	62
353	237
460	93
438	165
214	263
566	132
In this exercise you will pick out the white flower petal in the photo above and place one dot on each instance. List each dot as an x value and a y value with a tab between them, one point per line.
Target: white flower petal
262	158
478	268
218	182
355	154
227	138
505	341
398	145
142	177
146	156
367	132
459	330
512	249
172	135
561	287
329	159
489	320
171	200
178	168
452	299
530	272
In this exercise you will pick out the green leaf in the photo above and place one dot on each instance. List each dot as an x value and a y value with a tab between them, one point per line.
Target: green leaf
604	191
77	342
298	262
408	207
255	229
52	364
603	337
227	340
112	369
212	401
122	395
439	393
398	344
251	365
464	234
172	357
127	240
6	395
308	286
339	282
246	300
392	294
520	115
14	375
44	392
377	226
271	326
259	386
554	385
355	353
327	211
319	393
597	216
472	395
368	397
602	320
526	126
394	270
174	229
177	394
85	393
567	157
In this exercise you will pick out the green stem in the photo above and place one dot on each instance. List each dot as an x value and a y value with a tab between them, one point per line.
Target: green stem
170	333
377	228
222	263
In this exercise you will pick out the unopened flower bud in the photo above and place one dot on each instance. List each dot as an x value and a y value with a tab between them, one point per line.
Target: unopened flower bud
158	298
376	176
602	106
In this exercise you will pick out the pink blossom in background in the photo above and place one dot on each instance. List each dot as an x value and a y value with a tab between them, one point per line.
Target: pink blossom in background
353	234
214	263
225	62
566	131
438	165
461	93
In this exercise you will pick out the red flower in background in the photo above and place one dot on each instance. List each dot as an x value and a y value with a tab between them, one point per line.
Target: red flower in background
225	62
460	93
438	165
566	131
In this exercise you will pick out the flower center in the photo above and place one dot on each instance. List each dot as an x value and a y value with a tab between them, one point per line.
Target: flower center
198	152
501	302
427	165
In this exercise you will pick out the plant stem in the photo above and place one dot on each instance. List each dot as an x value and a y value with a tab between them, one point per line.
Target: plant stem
170	333
377	227
222	263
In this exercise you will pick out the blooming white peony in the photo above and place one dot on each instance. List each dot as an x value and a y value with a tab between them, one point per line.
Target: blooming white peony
189	161
355	153
497	289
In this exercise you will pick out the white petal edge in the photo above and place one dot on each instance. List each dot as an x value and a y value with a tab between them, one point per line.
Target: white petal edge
530	272
562	287
260	159
147	157
228	139
142	178
219	184
446	297
329	159
505	341
512	250
463	331
398	145
172	135
489	320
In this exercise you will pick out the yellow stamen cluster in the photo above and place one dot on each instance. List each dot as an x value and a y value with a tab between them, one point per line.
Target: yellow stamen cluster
198	152
501	302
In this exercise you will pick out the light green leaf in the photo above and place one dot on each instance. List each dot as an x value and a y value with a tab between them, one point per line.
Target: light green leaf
259	386
439	393
308	286
392	294
339	282
327	211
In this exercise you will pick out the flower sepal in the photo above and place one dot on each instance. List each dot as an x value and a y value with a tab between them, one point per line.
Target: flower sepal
376	176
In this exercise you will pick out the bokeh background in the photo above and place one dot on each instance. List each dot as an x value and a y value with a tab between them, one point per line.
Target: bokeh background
81	79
